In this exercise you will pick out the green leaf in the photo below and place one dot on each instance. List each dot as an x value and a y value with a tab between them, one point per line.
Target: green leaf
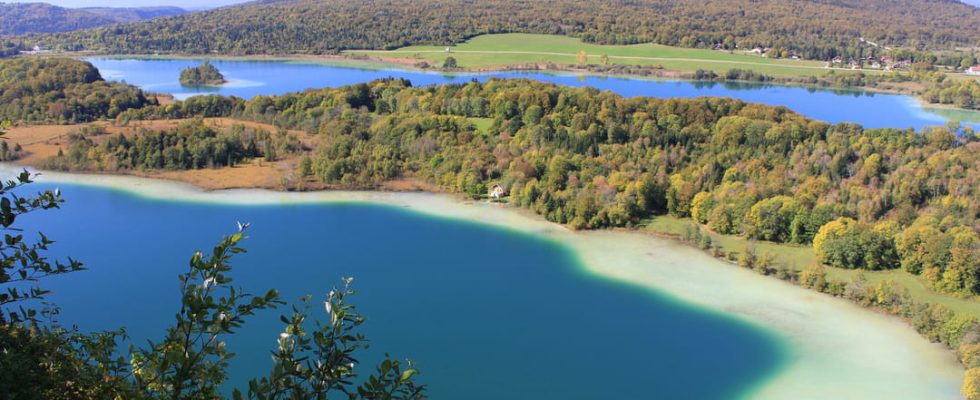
407	375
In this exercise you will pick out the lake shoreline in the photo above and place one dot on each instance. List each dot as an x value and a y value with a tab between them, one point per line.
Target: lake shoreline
866	354
409	65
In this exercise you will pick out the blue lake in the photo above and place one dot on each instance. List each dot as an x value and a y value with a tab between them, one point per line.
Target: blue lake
486	313
252	78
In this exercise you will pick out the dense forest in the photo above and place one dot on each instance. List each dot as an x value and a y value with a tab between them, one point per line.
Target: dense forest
191	145
814	29
872	199
21	18
61	91
204	74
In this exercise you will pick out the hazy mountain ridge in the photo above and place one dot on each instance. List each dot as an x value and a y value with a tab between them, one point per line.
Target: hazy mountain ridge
135	14
23	18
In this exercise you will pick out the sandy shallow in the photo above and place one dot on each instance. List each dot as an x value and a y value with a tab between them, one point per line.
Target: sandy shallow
837	350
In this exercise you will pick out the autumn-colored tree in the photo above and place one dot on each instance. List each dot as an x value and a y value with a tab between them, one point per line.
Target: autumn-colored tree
846	243
770	219
814	277
971	384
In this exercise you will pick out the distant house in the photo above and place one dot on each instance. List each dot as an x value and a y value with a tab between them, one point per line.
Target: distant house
37	49
876	65
974	70
837	60
497	191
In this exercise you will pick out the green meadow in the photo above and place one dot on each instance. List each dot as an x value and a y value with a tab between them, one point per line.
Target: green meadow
518	48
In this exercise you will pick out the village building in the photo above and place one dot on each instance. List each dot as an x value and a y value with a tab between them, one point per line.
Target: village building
497	191
974	70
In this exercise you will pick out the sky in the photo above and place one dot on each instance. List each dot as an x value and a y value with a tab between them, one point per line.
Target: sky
190	4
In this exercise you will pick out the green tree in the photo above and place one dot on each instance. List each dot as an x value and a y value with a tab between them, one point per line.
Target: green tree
770	219
846	243
449	63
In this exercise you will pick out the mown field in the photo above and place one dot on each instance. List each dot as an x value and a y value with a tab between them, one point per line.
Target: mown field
518	48
799	257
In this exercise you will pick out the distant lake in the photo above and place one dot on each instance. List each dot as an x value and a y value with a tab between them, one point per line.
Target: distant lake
486	313
251	78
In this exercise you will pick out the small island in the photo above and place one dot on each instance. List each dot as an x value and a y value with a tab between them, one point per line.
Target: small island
202	75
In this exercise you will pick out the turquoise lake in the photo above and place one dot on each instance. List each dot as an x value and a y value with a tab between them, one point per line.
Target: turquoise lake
252	78
486	313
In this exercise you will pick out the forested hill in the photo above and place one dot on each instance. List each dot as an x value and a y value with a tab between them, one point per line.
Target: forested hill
134	14
61	91
18	19
819	29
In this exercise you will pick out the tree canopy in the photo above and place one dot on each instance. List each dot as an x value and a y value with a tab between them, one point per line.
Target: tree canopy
61	90
814	29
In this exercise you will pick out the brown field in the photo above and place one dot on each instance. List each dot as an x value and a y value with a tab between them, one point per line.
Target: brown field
40	142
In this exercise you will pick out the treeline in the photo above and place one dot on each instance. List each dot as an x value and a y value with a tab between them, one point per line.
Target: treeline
963	93
8	49
938	87
191	145
594	159
812	29
61	91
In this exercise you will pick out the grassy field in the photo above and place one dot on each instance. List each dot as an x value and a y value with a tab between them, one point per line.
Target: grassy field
799	257
518	48
482	124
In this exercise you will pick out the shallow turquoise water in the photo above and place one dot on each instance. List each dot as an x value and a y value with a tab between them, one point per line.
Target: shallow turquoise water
251	78
487	313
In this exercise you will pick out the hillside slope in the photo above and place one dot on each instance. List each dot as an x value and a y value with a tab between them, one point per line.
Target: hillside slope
134	14
818	29
21	18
